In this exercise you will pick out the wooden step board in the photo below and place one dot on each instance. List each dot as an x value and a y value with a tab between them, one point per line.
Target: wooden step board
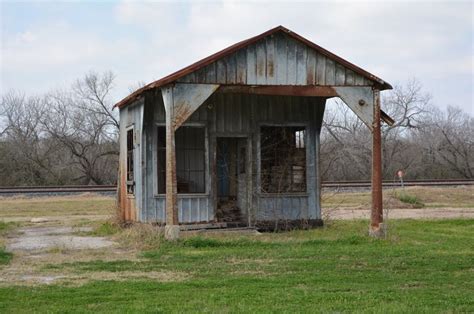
211	225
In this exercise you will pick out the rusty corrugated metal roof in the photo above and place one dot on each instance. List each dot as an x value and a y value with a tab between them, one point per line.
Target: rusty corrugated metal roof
231	49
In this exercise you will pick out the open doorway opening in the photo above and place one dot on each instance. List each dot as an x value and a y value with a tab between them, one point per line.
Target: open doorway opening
232	180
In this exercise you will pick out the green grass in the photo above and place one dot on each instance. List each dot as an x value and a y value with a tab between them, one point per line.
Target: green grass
424	266
410	199
5	257
106	229
6	226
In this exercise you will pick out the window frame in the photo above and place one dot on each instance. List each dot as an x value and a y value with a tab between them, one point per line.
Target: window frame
306	147
207	177
128	182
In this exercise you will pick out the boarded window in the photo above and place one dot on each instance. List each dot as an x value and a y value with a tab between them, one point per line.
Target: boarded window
130	174
283	159
190	159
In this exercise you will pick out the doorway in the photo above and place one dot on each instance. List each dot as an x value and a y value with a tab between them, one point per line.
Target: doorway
231	159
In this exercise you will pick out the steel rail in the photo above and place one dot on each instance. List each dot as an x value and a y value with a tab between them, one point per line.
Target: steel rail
325	184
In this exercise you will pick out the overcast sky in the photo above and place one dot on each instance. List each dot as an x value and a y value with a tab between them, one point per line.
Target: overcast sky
45	45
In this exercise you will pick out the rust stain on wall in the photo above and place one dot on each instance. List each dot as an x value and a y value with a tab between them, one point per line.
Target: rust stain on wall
270	68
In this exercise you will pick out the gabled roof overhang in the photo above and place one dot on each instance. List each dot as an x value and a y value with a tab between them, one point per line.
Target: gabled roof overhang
378	82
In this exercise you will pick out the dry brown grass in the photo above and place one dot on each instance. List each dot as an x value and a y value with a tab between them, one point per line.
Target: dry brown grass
89	206
431	197
140	236
85	207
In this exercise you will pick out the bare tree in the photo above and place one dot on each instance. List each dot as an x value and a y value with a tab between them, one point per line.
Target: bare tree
448	143
346	141
28	153
84	134
92	94
409	106
63	137
136	86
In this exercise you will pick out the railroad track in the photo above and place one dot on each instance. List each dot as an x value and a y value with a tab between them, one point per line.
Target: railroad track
367	184
72	189
63	189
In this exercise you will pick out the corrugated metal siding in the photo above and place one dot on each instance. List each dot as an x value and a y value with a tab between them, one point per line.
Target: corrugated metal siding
276	60
242	115
282	207
191	208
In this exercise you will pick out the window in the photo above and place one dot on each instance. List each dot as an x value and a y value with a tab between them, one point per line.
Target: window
190	159
283	159
130	175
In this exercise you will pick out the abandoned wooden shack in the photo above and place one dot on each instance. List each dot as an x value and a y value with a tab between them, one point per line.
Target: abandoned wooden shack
234	138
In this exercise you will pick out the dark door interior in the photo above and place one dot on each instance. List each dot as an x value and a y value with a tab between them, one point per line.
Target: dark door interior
231	179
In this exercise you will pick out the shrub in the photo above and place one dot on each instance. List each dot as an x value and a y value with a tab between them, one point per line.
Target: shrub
5	257
410	199
106	228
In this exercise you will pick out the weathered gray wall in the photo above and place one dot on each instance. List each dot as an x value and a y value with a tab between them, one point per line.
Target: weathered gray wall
277	60
131	117
235	115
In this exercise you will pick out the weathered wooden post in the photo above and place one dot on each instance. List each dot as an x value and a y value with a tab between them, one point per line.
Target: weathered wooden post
365	102
172	224
180	101
376	219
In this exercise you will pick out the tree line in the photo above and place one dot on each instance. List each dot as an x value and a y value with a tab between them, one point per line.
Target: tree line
70	136
425	142
64	137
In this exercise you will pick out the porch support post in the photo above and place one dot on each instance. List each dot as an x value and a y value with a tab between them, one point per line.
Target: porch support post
365	102
376	220
181	101
172	224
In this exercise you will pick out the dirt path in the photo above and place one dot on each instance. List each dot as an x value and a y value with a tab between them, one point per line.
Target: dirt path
55	237
422	213
39	245
58	219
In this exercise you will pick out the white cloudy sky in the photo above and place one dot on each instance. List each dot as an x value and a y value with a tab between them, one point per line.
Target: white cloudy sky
46	44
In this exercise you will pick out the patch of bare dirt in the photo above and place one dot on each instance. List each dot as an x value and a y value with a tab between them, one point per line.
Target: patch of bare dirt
73	279
246	261
44	238
259	273
53	243
61	219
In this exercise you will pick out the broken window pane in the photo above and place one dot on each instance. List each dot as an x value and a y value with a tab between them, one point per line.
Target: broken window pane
283	159
190	159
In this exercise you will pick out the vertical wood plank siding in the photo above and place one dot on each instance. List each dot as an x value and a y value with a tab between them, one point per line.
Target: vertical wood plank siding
237	115
276	60
132	117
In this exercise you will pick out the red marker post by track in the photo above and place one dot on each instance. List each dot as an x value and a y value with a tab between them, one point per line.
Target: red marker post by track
400	175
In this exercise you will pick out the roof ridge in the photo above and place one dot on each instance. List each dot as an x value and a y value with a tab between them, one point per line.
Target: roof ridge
242	44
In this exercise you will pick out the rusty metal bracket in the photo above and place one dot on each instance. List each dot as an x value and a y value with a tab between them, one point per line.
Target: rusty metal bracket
183	99
361	101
